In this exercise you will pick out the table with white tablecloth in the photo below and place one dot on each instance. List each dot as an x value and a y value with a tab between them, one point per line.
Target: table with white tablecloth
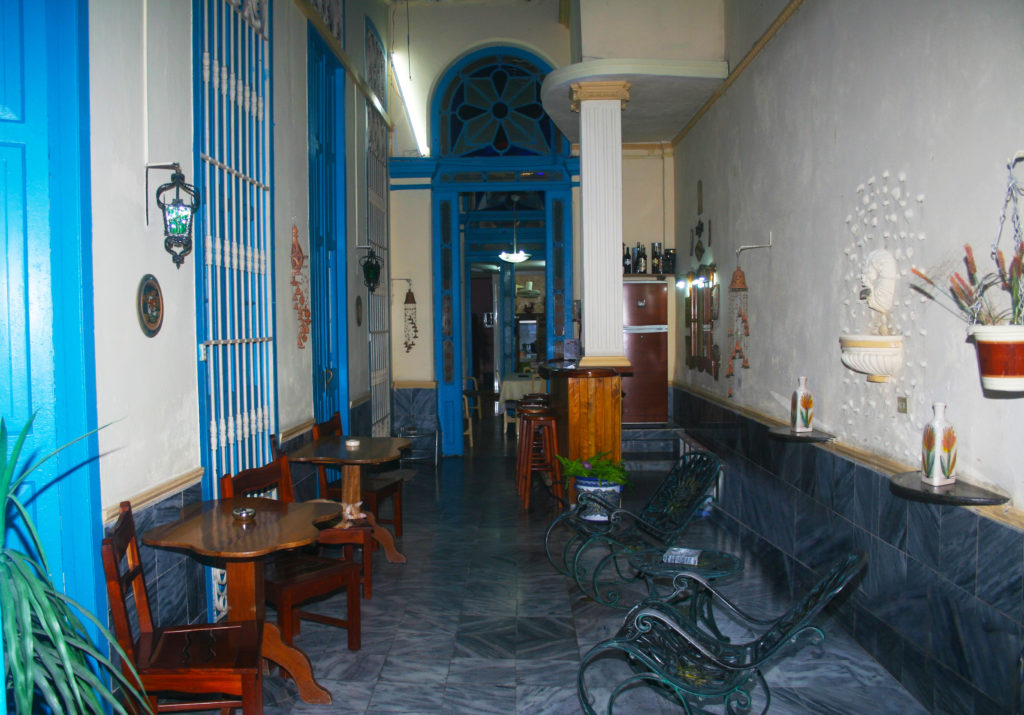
515	387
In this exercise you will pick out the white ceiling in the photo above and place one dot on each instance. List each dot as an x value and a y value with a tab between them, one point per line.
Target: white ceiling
663	96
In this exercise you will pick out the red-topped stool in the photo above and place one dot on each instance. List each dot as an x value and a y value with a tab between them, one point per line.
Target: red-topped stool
538	442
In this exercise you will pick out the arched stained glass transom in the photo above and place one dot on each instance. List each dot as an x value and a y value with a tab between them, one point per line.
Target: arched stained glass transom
491	107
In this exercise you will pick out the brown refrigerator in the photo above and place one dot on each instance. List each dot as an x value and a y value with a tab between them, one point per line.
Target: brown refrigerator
645	338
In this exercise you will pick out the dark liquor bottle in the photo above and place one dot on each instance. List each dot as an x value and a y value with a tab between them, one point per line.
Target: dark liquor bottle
642	261
655	262
627	261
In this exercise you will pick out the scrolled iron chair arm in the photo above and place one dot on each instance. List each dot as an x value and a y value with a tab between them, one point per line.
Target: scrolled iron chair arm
685	583
708	647
622	518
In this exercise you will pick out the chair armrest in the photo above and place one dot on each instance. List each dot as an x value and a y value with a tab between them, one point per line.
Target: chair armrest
719	654
621	518
685	583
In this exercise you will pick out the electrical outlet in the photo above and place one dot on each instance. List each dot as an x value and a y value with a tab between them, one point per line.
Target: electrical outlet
901	404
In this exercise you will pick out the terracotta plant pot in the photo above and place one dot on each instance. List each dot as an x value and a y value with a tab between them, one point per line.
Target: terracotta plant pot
1000	356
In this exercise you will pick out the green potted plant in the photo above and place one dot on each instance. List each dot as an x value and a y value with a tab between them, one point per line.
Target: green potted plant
598	475
49	658
992	304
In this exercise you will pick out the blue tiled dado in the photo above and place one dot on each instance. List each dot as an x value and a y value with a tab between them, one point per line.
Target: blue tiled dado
414	407
941	605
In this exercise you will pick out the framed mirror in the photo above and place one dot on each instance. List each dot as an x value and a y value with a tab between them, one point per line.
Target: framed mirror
702	311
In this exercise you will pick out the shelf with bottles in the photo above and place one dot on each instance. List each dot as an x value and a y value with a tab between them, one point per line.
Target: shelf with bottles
635	260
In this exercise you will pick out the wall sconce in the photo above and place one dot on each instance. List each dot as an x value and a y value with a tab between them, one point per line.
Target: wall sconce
371	270
177	212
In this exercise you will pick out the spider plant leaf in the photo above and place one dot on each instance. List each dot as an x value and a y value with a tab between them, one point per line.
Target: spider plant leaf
37	593
26	522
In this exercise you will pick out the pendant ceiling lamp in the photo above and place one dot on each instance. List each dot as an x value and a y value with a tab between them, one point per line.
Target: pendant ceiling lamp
516	256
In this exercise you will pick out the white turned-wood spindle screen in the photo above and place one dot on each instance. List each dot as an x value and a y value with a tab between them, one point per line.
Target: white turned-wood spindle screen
236	328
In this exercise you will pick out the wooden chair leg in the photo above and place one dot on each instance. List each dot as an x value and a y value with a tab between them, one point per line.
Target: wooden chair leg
287	620
396	505
367	566
353	615
252	695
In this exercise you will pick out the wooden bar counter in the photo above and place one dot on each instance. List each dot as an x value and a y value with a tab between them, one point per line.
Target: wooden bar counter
587	403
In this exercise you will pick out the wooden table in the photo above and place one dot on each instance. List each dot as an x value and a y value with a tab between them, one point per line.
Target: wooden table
209	529
332	450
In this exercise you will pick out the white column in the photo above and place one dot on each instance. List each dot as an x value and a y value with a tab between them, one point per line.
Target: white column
600	106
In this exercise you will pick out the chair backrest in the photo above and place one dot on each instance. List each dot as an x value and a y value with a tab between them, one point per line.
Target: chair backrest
331	426
122	567
259	480
682	492
799	616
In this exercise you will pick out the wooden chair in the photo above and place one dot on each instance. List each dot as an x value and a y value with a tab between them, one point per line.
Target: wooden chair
466	415
220	659
473	395
292	578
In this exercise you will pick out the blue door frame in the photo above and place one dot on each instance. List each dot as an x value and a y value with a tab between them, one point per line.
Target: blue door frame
451	299
46	278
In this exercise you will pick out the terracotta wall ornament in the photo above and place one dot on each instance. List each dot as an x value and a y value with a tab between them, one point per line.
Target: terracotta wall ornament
739	325
884	228
300	284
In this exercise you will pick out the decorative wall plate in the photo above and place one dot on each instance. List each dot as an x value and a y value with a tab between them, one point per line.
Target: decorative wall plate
150	305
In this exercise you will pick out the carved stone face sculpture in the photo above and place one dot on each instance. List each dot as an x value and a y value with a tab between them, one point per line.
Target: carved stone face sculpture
879	280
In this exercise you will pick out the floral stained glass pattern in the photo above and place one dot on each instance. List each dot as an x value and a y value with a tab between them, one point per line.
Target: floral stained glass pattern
493	108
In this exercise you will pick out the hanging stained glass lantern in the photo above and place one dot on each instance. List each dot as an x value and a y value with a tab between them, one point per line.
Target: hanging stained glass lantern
371	270
178	211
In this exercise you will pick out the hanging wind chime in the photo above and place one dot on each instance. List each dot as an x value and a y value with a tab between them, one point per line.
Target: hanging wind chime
739	325
410	330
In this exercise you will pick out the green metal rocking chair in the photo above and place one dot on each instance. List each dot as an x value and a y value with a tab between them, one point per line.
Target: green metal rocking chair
675	646
594	551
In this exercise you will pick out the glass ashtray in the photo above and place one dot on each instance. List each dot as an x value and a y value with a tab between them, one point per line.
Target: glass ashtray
243	513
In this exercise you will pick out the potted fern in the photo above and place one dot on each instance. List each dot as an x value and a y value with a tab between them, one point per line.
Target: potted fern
599	475
49	659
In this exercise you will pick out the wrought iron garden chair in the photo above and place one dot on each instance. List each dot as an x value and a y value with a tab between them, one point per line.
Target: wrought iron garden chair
595	549
675	646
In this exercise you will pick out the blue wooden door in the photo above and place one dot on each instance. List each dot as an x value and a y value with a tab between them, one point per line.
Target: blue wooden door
328	285
448	309
45	278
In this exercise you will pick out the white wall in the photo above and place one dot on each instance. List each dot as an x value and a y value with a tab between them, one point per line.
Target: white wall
929	91
652	29
412	258
291	208
140	112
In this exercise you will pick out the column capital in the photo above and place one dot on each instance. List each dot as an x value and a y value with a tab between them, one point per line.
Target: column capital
583	91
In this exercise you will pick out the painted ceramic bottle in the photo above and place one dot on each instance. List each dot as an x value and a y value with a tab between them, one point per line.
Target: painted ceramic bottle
938	448
801	409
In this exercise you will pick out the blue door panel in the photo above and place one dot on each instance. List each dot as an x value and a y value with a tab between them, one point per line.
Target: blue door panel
46	367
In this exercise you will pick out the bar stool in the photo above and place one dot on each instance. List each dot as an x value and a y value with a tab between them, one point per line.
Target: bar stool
533	399
537	445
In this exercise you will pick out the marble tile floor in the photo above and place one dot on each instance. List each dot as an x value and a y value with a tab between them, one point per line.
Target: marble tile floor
478	622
